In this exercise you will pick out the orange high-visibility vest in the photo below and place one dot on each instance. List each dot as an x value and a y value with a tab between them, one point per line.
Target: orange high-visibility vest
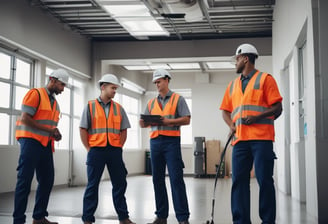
104	130
44	115
250	103
169	111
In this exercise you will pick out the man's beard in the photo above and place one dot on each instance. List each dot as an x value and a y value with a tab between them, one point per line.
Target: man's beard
240	69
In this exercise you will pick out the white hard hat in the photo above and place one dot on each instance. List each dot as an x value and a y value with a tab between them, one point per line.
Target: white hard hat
246	49
61	75
160	73
109	78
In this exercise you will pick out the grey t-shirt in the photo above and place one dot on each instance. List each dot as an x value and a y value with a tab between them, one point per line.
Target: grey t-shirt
182	107
86	117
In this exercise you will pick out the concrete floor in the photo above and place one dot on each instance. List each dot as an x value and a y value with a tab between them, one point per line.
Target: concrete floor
65	204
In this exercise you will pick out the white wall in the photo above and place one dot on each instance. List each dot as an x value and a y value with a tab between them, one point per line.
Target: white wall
174	49
30	28
8	165
293	23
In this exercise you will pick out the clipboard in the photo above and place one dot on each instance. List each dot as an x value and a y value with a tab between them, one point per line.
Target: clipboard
153	119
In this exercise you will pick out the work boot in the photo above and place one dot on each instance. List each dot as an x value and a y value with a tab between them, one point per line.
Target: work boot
159	221
43	221
184	222
126	221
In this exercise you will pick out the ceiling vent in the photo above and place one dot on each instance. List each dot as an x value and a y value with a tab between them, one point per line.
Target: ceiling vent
190	8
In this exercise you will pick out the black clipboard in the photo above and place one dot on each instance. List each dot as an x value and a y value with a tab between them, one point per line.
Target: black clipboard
153	119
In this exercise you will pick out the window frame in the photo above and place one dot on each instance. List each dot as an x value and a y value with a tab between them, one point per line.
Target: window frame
11	111
119	98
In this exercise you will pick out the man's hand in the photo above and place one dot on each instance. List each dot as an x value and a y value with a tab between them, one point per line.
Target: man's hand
232	128
56	134
144	124
249	120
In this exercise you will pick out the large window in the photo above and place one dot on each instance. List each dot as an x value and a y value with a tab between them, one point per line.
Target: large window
15	80
132	108
71	104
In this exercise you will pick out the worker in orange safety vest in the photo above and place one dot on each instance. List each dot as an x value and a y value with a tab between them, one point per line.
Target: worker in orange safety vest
250	105
36	131
165	148
103	131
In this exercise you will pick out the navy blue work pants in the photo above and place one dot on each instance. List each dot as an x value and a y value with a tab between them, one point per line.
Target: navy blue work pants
97	158
244	153
166	150
34	157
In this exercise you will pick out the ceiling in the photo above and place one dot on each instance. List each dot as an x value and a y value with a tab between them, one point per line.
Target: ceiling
183	19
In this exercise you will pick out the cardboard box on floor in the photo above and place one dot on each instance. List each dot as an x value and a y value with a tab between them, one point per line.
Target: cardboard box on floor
213	156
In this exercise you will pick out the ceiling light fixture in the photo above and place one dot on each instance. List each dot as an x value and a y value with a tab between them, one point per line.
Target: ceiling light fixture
220	65
132	86
134	17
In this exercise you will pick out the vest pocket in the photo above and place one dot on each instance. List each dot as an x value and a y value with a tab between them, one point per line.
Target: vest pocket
116	123
256	97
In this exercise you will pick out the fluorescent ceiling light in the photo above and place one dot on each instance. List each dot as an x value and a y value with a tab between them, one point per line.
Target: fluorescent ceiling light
135	18
144	26
156	66
184	65
136	67
136	10
132	86
71	5
220	65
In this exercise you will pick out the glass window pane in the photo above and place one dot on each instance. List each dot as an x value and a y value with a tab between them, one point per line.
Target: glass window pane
130	104
78	84
5	94
4	121
64	100
132	141
117	98
23	72
186	134
77	144
78	104
4	66
20	93
63	127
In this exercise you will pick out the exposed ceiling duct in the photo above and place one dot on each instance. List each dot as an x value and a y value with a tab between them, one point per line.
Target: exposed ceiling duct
189	8
183	19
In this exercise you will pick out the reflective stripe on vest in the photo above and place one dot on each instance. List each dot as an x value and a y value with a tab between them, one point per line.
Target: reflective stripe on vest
168	111
45	115
104	130
250	103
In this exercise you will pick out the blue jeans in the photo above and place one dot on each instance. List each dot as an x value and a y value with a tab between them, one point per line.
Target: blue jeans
244	153
97	158
166	150
33	157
